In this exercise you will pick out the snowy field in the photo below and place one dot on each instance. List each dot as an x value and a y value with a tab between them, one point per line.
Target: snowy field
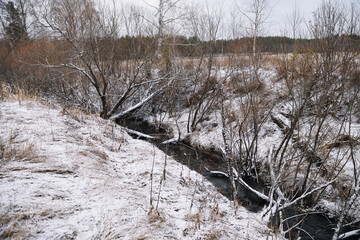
66	175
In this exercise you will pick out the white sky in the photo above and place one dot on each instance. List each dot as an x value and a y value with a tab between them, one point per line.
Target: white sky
277	21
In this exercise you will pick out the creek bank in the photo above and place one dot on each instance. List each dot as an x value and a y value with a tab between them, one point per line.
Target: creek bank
315	225
199	160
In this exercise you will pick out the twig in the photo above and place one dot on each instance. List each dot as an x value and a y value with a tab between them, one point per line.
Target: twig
151	182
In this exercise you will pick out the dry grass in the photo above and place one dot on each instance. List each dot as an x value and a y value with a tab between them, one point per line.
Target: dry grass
101	154
195	218
239	60
340	141
97	138
267	61
213	234
75	114
155	217
56	171
11	226
214	213
240	84
5	92
112	132
10	151
14	225
18	94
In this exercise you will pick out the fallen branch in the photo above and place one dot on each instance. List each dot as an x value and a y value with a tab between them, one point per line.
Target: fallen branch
349	234
139	134
173	140
136	106
217	173
257	193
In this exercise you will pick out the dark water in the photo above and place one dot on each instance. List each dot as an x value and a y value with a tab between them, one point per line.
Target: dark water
314	225
199	161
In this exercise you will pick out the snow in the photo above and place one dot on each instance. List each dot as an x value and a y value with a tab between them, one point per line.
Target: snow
349	234
67	175
208	136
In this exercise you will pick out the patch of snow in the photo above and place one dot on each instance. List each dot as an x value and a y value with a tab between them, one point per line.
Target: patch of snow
70	175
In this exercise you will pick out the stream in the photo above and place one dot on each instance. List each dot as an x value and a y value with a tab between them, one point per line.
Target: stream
314	226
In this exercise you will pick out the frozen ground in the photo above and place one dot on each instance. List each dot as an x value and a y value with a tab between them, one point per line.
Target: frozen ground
208	135
66	175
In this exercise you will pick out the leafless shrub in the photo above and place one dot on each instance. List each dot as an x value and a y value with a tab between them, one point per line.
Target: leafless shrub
355	77
198	96
202	99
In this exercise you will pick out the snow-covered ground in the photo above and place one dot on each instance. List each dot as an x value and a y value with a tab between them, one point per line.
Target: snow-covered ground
67	175
208	135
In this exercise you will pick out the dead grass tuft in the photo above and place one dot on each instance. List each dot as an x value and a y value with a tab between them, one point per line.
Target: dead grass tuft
75	114
102	155
213	234
196	218
97	138
214	213
155	217
11	226
10	151
5	92
19	94
240	84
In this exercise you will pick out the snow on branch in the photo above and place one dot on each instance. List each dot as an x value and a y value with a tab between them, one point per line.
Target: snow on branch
136	106
350	234
304	195
139	134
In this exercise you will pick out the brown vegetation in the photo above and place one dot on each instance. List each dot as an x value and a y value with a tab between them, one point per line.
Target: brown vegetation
84	62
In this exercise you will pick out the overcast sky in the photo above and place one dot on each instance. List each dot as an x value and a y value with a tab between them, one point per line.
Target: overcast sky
283	10
277	21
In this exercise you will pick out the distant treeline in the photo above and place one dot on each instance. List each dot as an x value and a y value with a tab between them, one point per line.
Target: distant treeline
192	47
142	47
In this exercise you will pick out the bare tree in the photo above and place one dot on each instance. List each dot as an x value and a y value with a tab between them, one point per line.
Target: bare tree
89	35
166	12
205	27
256	12
318	91
295	21
316	84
